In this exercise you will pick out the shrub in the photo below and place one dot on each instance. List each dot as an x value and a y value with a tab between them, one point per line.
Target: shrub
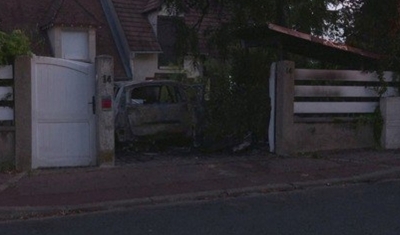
12	45
239	96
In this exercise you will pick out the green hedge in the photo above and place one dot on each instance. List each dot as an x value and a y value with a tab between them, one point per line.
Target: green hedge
12	45
239	100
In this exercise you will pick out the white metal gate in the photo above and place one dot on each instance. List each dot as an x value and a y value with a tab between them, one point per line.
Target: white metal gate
63	116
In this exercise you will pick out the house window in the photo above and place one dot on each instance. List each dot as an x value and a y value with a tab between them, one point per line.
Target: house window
167	34
75	45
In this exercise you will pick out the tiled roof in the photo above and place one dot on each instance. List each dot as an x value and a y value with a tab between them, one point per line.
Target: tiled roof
69	13
137	29
152	5
139	32
25	15
210	21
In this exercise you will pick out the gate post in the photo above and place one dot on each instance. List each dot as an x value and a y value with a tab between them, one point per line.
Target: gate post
23	113
104	110
284	103
390	137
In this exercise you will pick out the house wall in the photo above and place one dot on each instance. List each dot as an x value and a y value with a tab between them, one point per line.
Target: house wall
319	110
152	18
145	65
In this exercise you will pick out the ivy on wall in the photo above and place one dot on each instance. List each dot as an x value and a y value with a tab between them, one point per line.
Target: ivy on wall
12	45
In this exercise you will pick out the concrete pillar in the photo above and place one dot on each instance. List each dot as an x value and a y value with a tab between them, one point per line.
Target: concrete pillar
104	110
284	144
23	113
390	110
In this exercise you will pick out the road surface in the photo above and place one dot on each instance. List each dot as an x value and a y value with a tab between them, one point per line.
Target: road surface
350	209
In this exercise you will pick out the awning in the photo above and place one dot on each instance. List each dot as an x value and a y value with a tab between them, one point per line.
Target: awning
307	45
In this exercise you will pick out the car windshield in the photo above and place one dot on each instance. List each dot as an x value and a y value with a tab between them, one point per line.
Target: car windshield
116	90
155	94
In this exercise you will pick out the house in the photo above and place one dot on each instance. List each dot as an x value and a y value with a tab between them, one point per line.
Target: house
70	29
146	34
141	35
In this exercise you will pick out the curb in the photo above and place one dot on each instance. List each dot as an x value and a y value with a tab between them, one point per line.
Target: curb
13	213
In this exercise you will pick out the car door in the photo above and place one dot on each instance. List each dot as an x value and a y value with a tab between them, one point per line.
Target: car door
156	109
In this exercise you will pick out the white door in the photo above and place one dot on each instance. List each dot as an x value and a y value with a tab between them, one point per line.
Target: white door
62	112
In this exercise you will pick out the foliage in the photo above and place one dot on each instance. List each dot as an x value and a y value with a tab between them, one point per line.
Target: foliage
239	97
12	45
7	166
375	120
308	16
377	28
239	101
367	24
377	125
6	96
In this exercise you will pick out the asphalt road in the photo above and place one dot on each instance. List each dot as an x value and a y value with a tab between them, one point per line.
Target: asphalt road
352	209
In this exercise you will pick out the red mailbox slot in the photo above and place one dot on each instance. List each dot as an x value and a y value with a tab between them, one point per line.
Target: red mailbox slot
106	103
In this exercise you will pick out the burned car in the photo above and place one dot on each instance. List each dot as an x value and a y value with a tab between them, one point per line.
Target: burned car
153	110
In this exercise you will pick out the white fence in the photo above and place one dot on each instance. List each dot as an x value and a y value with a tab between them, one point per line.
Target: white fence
316	110
324	95
6	95
7	128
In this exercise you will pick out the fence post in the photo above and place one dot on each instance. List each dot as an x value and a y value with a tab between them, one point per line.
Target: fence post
23	113
104	110
390	109
284	103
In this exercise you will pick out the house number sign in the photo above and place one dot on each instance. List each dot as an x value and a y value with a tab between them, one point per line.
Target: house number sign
106	78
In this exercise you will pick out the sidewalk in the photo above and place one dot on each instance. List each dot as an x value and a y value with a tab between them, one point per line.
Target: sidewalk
55	191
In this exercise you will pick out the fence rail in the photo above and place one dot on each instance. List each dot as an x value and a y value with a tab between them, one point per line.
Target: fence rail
326	95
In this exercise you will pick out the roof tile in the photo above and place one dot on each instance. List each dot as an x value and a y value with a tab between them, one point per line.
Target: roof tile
152	5
137	29
70	13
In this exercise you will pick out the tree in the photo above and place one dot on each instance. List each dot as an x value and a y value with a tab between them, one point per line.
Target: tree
361	23
303	15
307	16
239	100
377	28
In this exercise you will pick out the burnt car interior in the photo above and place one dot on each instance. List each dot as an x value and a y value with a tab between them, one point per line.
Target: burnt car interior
155	95
151	112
